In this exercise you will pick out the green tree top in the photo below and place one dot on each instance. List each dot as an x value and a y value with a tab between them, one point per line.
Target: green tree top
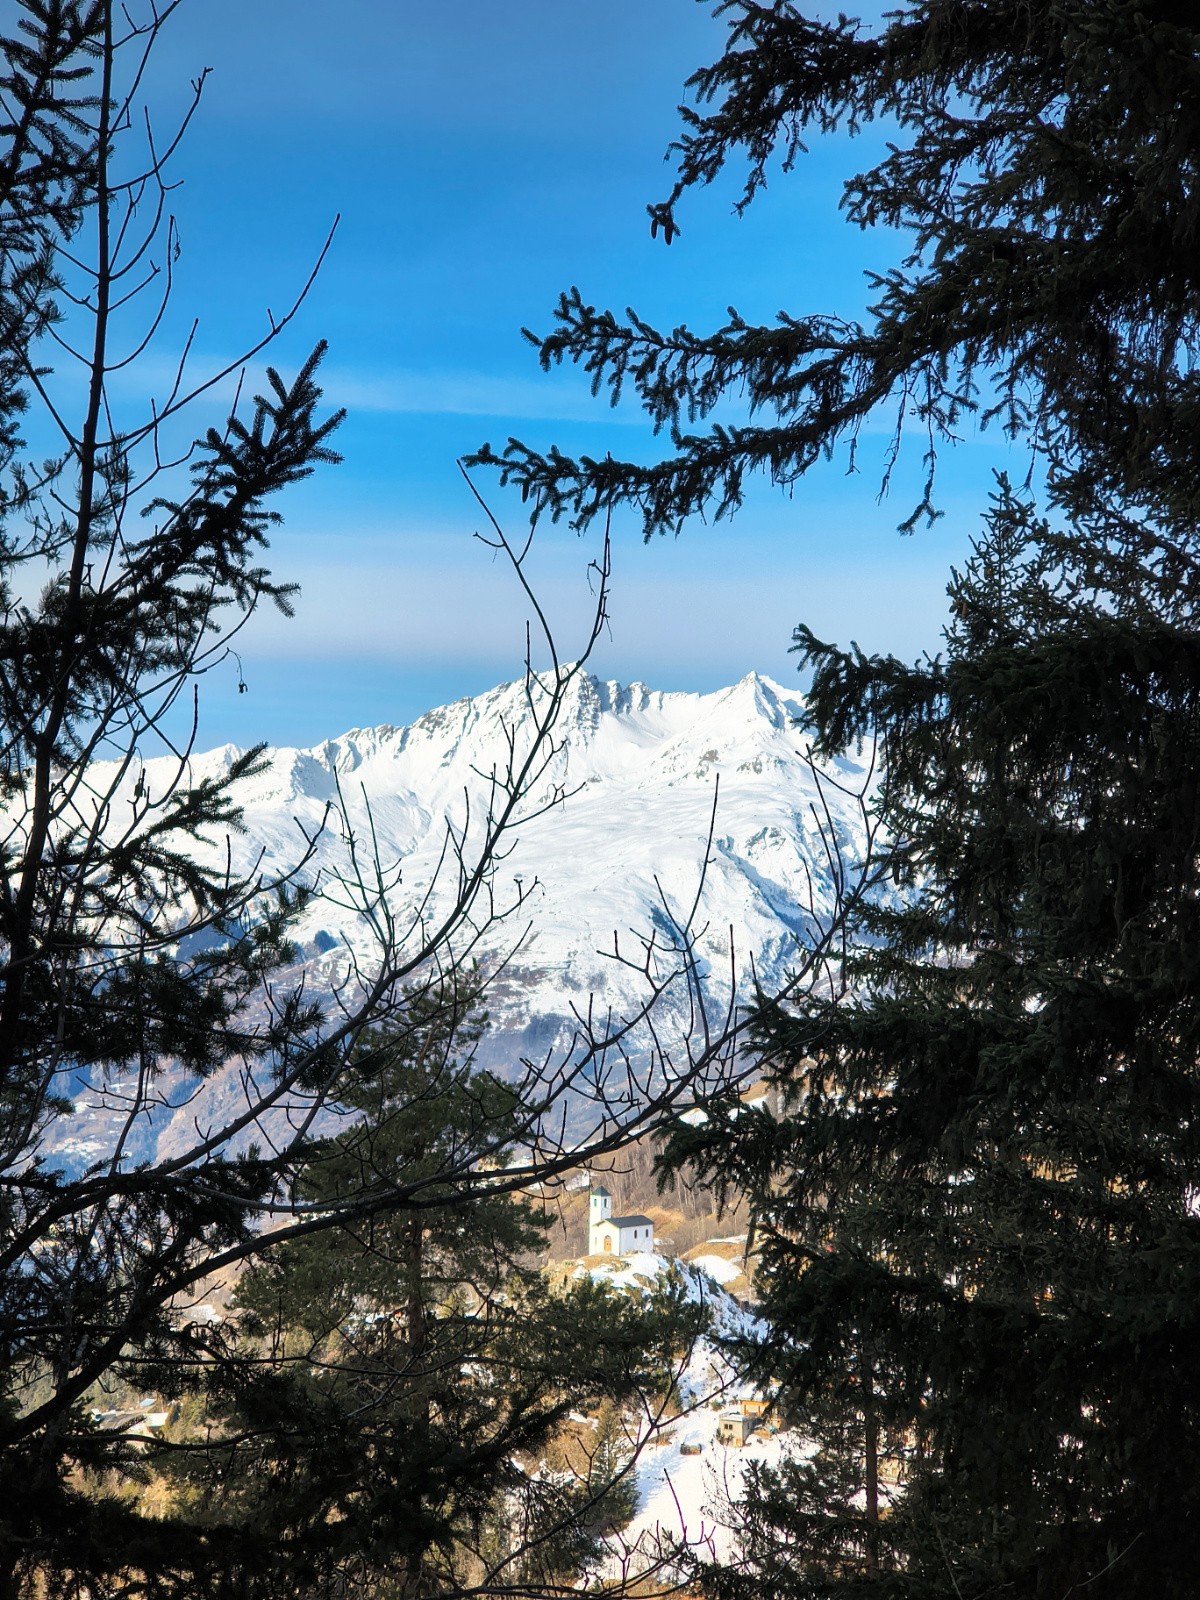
399	1378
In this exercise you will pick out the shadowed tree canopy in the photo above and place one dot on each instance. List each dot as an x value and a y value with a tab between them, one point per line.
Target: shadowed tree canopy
383	1402
978	1212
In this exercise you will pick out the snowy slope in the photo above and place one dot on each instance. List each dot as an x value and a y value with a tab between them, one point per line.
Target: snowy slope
639	770
612	849
688	1481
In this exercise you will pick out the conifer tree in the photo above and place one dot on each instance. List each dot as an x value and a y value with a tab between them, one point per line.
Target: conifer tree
396	1380
141	973
1041	178
981	1202
978	1214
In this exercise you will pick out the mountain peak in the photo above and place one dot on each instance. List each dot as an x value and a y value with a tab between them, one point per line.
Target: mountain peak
620	819
619	835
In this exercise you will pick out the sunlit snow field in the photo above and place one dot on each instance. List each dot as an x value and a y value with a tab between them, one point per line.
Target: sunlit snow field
688	1481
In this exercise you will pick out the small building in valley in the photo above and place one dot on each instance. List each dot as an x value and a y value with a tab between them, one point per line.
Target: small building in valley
734	1427
750	1415
617	1236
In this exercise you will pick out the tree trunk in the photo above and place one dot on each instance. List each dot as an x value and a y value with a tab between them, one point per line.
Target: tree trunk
871	1458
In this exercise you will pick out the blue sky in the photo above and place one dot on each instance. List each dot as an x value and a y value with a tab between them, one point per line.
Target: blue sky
482	158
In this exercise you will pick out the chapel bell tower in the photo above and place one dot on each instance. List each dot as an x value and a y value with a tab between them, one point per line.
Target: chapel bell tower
599	1210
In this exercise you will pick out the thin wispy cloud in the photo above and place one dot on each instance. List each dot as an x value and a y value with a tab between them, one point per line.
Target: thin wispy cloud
396	391
472	394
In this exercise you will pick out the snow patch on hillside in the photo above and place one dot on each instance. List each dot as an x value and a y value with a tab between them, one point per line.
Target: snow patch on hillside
717	1268
688	1480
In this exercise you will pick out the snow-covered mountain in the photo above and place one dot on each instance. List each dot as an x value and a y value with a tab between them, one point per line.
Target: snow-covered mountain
610	848
621	853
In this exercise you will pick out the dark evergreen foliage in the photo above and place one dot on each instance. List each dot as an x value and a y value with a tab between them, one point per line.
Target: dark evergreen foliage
978	1214
395	1381
1044	168
982	1199
114	598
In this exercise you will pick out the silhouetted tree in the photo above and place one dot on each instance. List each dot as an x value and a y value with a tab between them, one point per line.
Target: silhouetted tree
978	1215
393	1383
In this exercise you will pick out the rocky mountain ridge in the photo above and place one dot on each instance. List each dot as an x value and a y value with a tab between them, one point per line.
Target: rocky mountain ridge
648	812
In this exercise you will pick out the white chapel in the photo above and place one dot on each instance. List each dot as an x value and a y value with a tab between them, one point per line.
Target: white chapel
618	1236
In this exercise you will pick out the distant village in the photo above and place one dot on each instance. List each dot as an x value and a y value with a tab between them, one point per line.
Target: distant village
608	1236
